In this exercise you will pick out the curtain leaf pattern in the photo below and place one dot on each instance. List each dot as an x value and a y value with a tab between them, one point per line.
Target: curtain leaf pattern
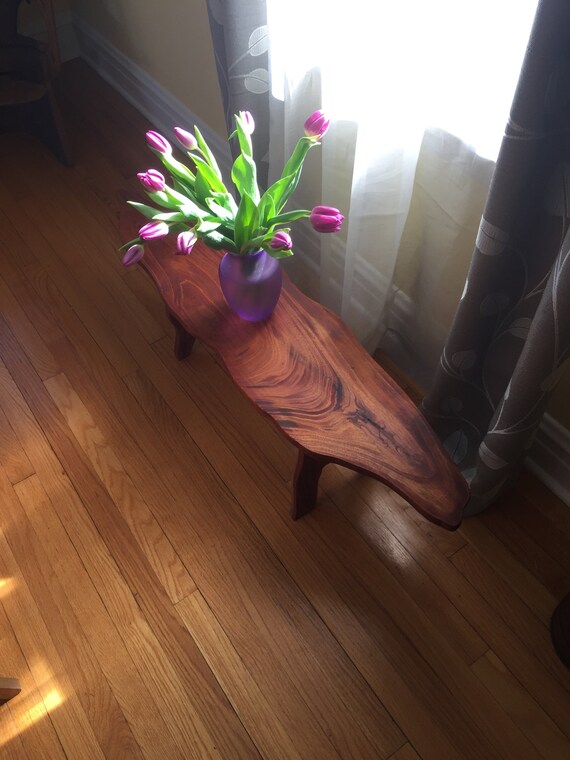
241	49
511	333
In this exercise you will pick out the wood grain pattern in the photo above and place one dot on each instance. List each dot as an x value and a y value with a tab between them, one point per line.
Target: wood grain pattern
305	370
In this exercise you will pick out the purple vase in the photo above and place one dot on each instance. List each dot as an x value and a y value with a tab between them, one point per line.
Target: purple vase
251	284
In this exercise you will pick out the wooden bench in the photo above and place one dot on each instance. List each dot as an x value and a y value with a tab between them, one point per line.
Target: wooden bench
309	375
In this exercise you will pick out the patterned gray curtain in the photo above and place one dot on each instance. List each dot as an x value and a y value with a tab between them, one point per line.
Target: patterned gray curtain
511	333
239	34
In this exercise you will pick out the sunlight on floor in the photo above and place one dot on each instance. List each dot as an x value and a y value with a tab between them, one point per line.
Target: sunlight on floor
26	710
6	585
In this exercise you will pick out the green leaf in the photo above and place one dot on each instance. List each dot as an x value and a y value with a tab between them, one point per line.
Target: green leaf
209	174
202	187
280	254
203	145
131	242
161	198
244	176
220	242
273	197
182	187
220	211
177	169
147	211
244	138
299	154
245	219
207	225
289	216
171	216
266	208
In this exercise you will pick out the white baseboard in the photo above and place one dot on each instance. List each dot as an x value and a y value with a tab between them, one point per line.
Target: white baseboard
68	44
160	107
549	457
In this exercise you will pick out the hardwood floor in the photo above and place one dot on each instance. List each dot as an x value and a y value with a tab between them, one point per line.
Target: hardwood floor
156	599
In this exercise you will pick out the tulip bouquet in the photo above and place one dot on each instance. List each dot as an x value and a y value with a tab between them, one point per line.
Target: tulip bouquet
194	203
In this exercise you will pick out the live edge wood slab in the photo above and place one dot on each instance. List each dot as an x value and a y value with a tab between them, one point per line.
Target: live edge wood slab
304	369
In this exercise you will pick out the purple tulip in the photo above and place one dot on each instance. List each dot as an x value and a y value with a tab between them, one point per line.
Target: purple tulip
132	255
152	180
316	125
281	241
186	139
159	143
326	219
185	242
153	230
247	121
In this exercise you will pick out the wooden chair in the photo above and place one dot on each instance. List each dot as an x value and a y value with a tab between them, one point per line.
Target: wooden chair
27	71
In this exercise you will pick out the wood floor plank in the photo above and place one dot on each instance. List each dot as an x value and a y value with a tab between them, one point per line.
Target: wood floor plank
12	455
532	720
324	702
273	730
98	701
97	615
536	559
407	752
509	607
513	572
61	702
197	720
44	276
41	357
400	655
150	536
28	728
474	607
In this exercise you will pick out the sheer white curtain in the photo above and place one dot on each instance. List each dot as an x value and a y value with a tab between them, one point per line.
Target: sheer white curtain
419	93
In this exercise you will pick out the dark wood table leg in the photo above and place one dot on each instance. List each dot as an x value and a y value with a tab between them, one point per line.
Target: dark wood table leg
560	630
305	484
9	688
183	341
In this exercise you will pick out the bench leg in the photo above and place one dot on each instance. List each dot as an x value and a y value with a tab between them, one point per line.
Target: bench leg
9	688
183	341
305	484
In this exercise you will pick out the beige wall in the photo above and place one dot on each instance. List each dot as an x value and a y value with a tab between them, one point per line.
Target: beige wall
170	40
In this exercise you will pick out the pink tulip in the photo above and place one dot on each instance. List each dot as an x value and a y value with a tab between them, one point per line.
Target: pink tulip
153	230
326	219
186	139
247	121
316	125
159	143
152	180
281	241
185	242
132	255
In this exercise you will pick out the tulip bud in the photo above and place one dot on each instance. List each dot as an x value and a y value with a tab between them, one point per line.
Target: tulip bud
326	219
281	241
159	143
316	125
152	180
132	255
185	242
153	230
247	122
186	139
